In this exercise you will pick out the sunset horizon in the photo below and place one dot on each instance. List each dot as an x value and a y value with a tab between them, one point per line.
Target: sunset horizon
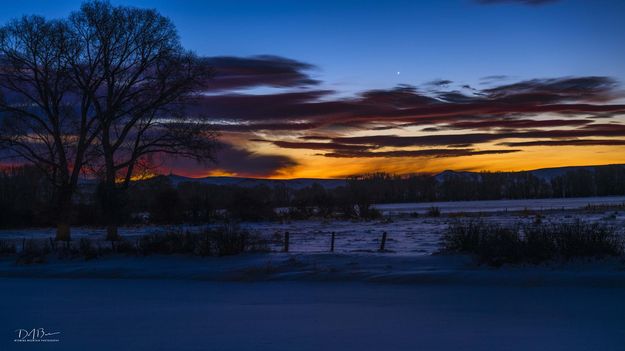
279	175
544	88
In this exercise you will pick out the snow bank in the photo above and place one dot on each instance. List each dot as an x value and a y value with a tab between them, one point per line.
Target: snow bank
186	315
378	268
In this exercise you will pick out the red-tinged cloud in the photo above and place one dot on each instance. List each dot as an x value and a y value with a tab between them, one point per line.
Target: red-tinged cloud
552	109
315	146
567	142
407	106
378	141
432	153
487	124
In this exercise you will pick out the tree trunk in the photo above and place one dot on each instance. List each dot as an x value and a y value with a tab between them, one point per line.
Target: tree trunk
62	231
111	232
111	211
111	203
64	204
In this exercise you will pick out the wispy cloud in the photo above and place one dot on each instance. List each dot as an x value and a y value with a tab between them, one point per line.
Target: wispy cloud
524	2
452	122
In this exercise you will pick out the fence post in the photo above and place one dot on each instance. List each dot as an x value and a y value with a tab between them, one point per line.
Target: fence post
383	242
286	241
332	242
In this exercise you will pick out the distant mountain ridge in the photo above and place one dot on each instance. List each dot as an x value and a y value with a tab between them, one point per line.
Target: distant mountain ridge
297	183
300	183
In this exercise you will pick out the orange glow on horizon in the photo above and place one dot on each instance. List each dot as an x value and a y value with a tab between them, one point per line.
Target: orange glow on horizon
311	165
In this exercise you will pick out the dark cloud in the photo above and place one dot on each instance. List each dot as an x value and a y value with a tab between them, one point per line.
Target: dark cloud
323	120
547	91
423	141
246	163
402	96
314	146
379	141
439	82
583	96
252	127
234	160
285	107
567	142
433	153
514	123
524	2
248	72
495	77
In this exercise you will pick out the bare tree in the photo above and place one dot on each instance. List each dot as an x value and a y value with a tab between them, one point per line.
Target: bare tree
107	87
145	79
44	120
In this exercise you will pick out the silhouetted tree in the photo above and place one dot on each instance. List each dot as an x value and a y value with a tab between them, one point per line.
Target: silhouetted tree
46	120
143	79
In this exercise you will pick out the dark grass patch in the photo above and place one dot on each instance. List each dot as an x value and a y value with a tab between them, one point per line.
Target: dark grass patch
33	252
7	248
222	241
433	212
595	208
495	244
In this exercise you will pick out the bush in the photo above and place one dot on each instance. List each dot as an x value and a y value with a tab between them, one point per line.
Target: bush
502	245
232	240
581	239
539	242
229	240
7	247
166	244
495	244
433	212
491	243
33	252
86	249
464	236
223	241
124	246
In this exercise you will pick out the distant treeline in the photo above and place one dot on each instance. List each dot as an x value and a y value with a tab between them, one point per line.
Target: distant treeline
25	196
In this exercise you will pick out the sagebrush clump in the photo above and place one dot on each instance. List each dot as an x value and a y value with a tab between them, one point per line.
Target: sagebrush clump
495	244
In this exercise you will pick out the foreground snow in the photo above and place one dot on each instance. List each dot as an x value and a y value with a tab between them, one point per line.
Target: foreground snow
354	299
365	267
112	314
366	301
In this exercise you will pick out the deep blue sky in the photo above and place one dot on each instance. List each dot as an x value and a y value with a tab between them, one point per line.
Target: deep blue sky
359	44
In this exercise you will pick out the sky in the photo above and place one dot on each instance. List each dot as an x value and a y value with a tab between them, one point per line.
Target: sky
334	88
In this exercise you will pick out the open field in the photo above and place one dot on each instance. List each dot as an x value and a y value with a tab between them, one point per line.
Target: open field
405	298
407	235
491	206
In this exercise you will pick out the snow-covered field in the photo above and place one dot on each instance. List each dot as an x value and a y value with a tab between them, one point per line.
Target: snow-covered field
309	299
314	302
407	235
501	205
